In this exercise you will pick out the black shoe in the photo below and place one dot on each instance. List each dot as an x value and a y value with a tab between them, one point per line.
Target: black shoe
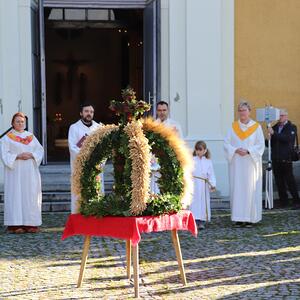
239	224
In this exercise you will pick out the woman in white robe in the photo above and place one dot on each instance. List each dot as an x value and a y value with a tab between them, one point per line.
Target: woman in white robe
21	154
204	182
244	146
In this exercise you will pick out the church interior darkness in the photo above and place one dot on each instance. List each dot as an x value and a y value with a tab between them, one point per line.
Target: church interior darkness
90	56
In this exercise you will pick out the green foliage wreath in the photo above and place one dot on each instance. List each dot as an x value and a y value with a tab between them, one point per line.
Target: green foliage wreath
128	146
115	147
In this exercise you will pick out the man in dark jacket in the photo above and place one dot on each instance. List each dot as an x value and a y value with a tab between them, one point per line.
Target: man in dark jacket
283	136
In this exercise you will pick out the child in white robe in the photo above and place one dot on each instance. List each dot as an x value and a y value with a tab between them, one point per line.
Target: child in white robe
204	182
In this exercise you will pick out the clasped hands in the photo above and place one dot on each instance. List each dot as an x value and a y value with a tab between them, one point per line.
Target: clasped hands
242	151
25	156
270	132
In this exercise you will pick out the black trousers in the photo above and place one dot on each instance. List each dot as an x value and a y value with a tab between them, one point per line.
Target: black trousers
285	180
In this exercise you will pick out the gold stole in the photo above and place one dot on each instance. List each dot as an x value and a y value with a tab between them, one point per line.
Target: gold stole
243	134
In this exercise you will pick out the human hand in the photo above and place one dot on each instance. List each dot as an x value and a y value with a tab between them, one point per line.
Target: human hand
25	156
28	155
21	156
241	151
270	130
175	130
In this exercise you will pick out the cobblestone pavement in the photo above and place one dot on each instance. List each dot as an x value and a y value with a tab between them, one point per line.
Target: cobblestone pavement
222	263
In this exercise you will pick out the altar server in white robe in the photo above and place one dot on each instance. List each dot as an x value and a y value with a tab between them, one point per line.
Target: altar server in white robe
21	154
244	146
204	183
77	134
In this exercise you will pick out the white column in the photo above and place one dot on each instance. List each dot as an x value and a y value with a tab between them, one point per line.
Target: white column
1	88
10	63
201	43
177	63
227	65
15	61
164	51
26	62
15	26
1	71
10	52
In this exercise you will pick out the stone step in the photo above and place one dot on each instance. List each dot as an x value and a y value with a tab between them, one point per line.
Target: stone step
66	187
62	202
56	187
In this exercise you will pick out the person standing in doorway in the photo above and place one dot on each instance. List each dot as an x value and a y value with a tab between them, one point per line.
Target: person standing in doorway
76	136
283	135
162	110
244	146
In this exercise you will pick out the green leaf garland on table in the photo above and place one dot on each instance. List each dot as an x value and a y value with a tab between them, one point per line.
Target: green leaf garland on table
129	146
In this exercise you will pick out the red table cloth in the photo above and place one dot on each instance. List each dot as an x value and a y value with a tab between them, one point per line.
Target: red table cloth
128	228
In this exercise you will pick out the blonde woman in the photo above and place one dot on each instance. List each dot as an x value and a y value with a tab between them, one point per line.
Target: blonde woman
244	146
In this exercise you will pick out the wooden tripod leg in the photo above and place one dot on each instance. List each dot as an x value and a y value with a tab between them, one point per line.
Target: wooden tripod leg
136	272
128	258
176	244
85	251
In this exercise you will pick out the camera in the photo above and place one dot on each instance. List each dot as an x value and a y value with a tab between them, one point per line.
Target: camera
267	114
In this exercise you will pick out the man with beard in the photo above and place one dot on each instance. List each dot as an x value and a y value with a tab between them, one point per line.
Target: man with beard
77	134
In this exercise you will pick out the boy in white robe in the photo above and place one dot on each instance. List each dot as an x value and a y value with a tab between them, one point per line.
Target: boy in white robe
77	134
244	146
204	183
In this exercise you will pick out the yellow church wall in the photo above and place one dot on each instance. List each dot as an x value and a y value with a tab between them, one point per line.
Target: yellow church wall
267	54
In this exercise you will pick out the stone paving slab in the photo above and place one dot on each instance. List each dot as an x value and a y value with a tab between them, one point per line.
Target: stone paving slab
224	262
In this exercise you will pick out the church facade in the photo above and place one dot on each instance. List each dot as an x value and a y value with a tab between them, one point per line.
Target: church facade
199	56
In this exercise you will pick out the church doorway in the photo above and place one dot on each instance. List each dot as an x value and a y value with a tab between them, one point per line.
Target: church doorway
90	54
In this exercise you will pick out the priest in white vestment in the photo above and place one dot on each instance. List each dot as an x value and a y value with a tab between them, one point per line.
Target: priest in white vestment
21	154
77	134
244	146
162	110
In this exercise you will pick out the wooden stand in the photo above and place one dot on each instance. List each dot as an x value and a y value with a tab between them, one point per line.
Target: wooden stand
128	258
135	254
86	246
177	248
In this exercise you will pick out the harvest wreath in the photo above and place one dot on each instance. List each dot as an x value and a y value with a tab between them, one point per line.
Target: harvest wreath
130	145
